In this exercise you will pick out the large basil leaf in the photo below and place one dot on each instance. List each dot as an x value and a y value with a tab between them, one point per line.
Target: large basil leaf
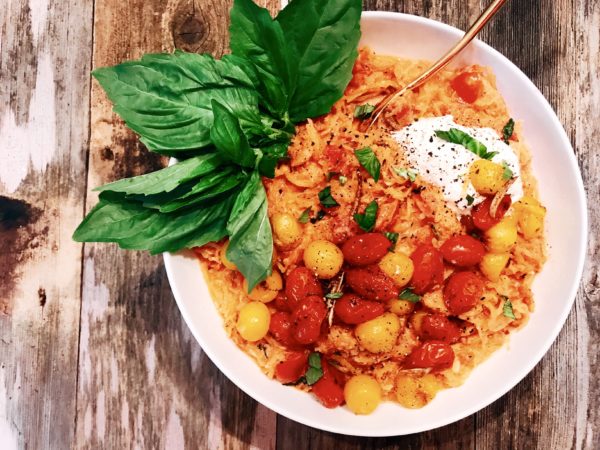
132	226
227	135
322	38
167	179
254	35
166	98
250	238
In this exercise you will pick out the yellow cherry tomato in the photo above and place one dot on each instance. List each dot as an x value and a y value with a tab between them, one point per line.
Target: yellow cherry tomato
398	266
486	176
287	232
401	307
414	391
493	264
416	321
502	237
362	394
253	321
324	258
266	290
379	335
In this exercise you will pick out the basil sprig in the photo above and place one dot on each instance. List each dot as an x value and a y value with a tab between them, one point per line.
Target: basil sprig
367	220
367	158
456	136
508	130
228	121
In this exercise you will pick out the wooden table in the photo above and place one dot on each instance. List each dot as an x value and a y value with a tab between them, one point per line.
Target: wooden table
93	350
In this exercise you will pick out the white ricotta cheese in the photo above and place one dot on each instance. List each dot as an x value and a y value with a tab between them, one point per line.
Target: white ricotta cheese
447	165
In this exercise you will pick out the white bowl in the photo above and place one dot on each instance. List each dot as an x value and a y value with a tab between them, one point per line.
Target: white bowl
561	189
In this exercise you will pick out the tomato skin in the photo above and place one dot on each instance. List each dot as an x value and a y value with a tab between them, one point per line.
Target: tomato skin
429	268
307	319
463	251
329	390
365	249
281	302
437	327
430	355
352	309
468	86
371	283
462	292
482	219
294	366
299	284
281	329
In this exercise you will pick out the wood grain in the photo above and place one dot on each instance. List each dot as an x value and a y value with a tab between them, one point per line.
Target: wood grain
93	350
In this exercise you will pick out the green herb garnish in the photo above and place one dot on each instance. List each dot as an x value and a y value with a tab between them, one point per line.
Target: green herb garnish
305	216
403	172
367	220
363	112
320	215
508	130
330	175
366	157
507	308
470	199
408	295
315	371
334	295
392	237
508	173
326	198
456	136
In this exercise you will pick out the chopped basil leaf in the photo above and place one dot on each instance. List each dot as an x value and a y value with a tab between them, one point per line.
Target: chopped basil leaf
507	309
363	112
408	295
470	199
305	216
326	199
456	136
342	179
334	295
367	220
508	173
315	371
392	237
403	172
320	215
508	130
366	157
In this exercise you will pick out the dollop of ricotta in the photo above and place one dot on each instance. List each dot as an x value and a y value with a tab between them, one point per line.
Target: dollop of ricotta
446	165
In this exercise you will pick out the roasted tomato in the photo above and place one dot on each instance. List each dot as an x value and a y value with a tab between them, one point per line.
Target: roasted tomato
299	284
468	85
280	327
370	282
462	291
365	249
429	268
352	309
281	302
430	355
463	251
329	390
307	319
482	218
294	366
437	327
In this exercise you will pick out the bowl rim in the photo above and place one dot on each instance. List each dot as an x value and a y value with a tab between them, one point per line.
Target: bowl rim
494	395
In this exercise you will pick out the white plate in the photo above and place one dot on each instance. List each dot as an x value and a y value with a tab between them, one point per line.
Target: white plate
561	189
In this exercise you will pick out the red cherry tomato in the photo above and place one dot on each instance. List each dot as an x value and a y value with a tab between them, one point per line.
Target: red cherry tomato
365	249
352	309
329	390
468	86
370	282
294	366
429	268
482	218
430	355
299	284
281	302
437	327
463	251
307	319
281	329
462	292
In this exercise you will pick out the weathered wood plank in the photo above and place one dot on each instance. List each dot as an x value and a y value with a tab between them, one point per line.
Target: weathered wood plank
44	103
144	382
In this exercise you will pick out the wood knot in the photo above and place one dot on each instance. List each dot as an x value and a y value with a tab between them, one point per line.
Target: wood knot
188	32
